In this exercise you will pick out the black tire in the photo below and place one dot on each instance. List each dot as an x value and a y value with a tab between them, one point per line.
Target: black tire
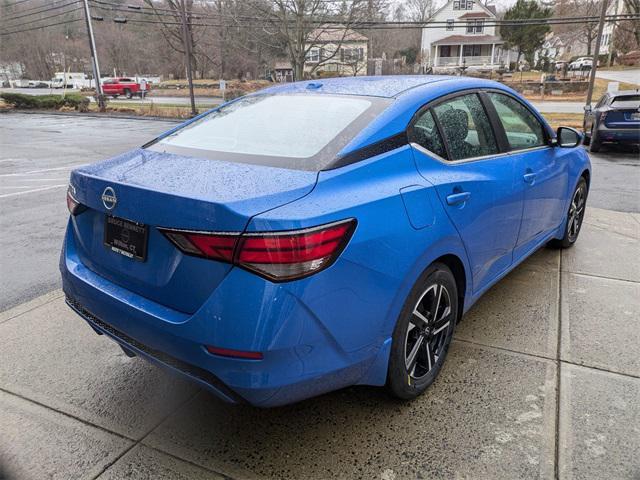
114	96
575	216
594	144
421	341
127	93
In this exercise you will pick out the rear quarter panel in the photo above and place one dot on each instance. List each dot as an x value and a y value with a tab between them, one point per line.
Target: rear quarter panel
357	300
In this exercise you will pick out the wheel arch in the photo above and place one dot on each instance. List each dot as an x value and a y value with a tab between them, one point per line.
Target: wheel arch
454	263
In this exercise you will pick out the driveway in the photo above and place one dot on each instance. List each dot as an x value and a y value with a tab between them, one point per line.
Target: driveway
629	76
542	380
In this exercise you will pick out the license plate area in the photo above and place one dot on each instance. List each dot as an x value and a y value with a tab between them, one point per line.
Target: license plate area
126	237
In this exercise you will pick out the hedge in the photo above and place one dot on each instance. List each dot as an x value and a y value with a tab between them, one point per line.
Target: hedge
20	100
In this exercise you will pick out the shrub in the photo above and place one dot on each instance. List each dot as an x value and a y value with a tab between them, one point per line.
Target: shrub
233	93
20	100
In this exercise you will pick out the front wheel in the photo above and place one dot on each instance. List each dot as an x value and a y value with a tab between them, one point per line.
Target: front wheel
423	333
575	216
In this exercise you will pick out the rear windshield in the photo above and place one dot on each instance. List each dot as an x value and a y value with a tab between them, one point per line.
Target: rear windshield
291	131
627	99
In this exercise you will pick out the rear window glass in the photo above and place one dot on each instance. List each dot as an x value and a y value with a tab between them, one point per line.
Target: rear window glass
293	131
630	99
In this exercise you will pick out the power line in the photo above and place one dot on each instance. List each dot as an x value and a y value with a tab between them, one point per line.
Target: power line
15	3
41	11
42	26
44	18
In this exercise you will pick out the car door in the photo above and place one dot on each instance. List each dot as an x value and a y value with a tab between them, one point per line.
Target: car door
456	150
541	170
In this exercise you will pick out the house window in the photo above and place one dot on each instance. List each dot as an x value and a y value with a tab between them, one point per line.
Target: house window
351	54
313	55
450	24
469	5
463	5
472	50
445	51
456	5
475	26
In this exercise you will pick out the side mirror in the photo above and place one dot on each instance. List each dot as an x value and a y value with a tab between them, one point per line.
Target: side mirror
568	137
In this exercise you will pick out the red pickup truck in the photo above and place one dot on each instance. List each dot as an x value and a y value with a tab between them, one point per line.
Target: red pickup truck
124	86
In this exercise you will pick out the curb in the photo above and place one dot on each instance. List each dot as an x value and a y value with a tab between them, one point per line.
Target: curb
96	115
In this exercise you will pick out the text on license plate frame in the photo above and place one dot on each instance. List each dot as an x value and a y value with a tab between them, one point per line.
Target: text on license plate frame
126	237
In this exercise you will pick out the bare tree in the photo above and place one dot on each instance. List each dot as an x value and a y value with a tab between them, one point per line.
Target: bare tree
419	10
300	25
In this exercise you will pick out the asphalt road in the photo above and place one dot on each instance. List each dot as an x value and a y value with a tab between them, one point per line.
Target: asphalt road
40	151
37	154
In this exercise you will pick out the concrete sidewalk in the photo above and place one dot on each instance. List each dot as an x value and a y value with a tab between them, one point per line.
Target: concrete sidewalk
542	381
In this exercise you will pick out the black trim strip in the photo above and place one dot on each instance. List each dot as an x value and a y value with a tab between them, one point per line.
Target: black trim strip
383	146
184	367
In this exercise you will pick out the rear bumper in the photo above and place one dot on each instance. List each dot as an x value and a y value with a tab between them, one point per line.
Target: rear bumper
619	135
301	356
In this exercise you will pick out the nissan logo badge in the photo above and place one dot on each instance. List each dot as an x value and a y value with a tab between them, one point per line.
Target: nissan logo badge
109	198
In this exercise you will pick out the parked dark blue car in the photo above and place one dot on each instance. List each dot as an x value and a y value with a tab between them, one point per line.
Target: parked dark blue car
615	119
319	234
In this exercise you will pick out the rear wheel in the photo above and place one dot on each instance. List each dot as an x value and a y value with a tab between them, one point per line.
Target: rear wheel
423	333
127	93
575	215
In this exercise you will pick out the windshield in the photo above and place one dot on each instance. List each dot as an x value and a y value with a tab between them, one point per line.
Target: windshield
292	131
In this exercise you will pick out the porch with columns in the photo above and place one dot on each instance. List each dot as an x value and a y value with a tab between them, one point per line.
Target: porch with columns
471	52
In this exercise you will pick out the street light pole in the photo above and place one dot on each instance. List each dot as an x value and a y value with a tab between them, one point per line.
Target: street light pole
94	57
186	40
594	64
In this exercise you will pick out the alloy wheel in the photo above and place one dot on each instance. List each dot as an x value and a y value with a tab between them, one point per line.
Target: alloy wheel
576	212
427	331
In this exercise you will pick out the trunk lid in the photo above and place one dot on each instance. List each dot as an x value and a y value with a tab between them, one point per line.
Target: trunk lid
166	190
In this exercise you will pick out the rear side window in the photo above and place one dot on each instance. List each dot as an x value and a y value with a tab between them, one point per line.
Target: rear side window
466	127
425	133
522	127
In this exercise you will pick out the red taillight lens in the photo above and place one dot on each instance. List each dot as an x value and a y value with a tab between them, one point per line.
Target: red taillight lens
277	256
74	206
288	255
215	246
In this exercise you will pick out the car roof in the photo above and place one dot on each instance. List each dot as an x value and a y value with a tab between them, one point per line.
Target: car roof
379	86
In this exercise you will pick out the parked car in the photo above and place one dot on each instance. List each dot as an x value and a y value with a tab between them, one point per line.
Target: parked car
614	119
582	63
125	86
273	261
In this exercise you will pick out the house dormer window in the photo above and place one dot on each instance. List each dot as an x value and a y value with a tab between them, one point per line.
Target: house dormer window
450	24
463	5
475	26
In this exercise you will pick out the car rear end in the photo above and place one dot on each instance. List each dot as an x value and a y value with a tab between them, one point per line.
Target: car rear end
158	257
619	121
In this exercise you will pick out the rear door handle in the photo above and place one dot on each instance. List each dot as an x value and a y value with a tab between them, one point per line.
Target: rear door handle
457	198
529	177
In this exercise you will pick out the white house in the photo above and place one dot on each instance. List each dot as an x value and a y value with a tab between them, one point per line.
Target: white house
336	51
461	37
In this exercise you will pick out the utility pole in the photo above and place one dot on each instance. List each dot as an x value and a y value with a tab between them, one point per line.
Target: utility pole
186	40
94	57
594	64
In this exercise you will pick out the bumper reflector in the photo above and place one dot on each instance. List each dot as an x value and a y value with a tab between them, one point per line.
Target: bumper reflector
227	352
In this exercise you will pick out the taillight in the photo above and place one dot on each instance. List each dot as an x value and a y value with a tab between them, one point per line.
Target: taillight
74	206
278	256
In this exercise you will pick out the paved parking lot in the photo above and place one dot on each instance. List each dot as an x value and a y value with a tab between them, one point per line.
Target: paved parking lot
542	381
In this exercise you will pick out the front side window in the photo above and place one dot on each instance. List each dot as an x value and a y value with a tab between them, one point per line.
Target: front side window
289	130
425	133
522	127
466	127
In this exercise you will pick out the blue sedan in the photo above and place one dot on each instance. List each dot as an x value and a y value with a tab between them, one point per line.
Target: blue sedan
319	234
